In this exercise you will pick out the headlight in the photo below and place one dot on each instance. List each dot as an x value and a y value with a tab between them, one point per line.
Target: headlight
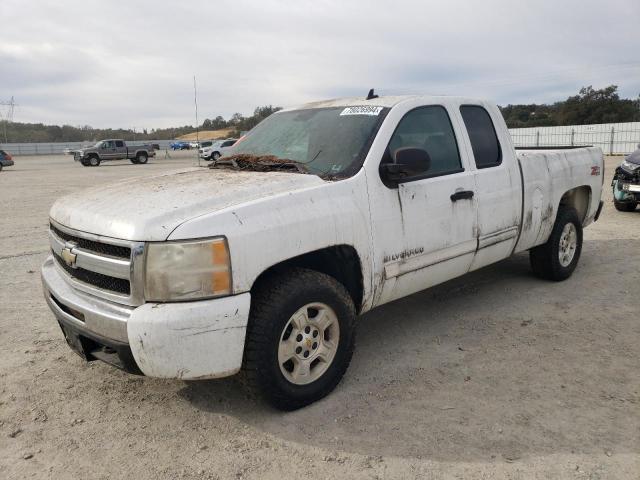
187	270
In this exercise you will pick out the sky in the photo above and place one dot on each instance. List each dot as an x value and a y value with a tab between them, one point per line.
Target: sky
131	64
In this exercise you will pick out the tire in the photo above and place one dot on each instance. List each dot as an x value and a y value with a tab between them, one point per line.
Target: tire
94	161
273	304
546	259
1	166
141	158
133	160
625	206
215	156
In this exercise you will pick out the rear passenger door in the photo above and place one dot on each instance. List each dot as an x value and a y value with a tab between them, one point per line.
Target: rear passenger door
498	183
120	150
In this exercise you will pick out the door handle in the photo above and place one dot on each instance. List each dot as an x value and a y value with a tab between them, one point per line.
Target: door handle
462	195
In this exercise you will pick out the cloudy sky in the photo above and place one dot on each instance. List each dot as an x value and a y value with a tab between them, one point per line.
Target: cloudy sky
131	63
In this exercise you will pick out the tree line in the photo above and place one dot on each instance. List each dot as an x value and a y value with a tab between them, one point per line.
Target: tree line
589	106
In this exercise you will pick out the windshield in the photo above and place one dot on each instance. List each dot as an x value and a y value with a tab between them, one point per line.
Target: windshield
331	142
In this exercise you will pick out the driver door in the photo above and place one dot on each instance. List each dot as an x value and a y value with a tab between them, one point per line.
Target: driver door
108	150
438	207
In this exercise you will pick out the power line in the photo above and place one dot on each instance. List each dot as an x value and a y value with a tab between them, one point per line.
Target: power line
9	117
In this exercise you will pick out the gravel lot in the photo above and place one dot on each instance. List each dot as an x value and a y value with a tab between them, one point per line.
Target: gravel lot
493	375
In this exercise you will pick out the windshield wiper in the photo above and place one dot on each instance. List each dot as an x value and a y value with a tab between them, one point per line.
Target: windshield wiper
259	163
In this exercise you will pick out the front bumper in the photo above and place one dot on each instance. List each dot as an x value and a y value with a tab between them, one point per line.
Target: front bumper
188	340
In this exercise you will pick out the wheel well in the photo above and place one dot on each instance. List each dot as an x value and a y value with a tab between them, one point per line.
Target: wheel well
340	262
578	198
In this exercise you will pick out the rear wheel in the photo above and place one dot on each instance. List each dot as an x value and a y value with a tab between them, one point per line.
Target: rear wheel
625	206
300	338
133	160
141	158
557	259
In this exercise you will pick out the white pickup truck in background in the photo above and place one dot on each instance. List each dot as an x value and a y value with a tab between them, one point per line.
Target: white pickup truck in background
317	215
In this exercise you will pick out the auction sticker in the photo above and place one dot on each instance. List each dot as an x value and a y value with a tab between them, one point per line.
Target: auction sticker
362	110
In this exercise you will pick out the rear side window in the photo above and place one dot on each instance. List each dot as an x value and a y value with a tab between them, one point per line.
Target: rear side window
482	133
119	143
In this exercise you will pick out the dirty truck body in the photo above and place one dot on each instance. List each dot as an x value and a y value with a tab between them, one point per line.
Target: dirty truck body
203	272
113	149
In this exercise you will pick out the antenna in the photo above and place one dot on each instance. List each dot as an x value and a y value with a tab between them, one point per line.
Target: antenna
371	95
195	101
9	117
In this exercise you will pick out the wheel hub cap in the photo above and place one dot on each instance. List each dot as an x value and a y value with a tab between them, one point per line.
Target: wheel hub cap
568	244
308	343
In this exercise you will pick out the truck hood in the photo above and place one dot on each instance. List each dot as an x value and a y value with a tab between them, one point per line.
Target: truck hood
149	209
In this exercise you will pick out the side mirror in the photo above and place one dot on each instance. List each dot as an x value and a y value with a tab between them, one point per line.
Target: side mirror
408	162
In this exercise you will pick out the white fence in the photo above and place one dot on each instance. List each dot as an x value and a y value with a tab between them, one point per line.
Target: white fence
612	138
59	148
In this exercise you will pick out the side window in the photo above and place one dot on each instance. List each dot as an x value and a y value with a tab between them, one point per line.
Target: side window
107	144
484	140
119	143
428	128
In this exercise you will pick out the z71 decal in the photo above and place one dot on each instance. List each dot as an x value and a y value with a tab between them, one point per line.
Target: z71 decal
595	171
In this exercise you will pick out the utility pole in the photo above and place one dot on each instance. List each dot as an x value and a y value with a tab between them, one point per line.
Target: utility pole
9	117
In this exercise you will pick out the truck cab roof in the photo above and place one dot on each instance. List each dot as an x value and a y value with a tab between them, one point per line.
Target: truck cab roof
384	101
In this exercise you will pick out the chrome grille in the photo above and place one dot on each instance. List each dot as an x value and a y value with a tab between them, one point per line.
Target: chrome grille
97	247
106	267
116	285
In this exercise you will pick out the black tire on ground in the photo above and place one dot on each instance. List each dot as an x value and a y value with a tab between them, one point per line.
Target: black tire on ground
85	163
545	259
625	206
273	302
1	166
214	156
141	158
133	160
94	161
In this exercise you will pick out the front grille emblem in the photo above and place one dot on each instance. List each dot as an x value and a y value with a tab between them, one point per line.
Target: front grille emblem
69	257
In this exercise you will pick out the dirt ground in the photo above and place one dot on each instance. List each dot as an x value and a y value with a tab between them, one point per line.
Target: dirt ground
493	375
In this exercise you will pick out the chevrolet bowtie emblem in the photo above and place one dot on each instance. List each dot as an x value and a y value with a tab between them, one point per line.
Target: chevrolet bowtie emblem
68	257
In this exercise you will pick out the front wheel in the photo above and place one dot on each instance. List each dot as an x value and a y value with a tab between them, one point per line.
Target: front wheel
94	161
215	156
557	259
300	338
625	206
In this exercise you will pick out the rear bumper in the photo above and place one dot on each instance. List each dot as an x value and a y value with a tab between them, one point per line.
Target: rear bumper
189	340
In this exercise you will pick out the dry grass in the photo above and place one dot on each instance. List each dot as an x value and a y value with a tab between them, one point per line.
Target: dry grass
208	134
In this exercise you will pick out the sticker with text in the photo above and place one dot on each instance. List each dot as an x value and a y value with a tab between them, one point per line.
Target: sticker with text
362	110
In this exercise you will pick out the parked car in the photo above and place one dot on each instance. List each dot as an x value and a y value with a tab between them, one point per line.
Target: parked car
626	183
178	145
194	144
5	160
327	211
217	149
113	149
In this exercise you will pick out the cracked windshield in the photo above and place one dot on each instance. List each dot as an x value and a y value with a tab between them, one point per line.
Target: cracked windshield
329	142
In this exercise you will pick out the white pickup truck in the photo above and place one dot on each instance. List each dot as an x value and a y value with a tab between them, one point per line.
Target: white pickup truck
317	215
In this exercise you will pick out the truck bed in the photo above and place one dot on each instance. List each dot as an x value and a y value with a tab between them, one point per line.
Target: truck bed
547	174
